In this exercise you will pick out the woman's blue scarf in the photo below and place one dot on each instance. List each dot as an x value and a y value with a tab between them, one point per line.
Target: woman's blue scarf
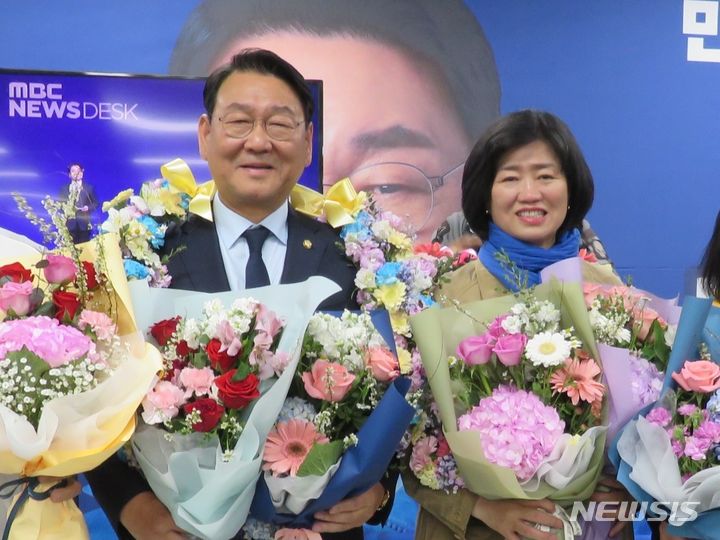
528	258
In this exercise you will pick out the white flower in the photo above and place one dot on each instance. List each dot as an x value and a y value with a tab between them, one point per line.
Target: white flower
670	335
512	324
547	349
548	313
365	279
190	331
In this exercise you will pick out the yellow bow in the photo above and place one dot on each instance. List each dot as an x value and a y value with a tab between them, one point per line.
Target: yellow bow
339	205
179	175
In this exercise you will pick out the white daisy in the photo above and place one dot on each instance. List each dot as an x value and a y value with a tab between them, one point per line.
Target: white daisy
547	349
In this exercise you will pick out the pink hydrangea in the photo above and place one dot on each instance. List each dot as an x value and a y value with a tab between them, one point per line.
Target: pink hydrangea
55	343
516	429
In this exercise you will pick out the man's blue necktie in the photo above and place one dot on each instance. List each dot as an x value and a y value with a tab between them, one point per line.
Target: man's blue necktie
256	274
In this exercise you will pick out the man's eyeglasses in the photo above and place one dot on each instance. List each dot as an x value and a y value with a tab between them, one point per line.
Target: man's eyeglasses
278	128
402	188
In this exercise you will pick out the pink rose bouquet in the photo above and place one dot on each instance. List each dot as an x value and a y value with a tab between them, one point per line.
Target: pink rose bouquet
635	331
671	450
344	370
516	406
526	384
72	373
341	425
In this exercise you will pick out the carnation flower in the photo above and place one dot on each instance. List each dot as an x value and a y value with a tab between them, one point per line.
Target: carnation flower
422	453
547	349
99	323
659	416
288	444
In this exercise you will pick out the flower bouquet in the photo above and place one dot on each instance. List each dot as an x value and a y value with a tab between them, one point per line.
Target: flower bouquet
142	221
518	392
669	456
73	370
634	331
338	431
227	373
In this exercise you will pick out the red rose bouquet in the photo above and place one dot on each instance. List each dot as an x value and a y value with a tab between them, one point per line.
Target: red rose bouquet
214	366
228	365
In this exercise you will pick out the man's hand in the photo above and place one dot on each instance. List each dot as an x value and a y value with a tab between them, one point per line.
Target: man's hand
610	490
350	513
146	518
516	519
62	494
664	535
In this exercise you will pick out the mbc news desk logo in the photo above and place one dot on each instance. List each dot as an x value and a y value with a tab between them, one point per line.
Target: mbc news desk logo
45	100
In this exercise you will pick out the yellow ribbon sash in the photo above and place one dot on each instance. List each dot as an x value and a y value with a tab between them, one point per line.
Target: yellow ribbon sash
180	177
339	205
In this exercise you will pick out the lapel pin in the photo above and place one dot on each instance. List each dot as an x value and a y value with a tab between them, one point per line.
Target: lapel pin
307	244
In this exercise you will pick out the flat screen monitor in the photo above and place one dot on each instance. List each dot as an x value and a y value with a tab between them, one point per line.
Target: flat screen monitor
120	128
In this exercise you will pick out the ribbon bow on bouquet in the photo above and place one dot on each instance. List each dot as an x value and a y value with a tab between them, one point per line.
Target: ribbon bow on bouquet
180	177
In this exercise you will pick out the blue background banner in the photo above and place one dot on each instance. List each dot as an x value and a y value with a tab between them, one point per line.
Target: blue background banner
617	72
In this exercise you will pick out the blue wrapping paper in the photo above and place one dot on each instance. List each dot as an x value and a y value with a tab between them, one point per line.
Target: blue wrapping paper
696	322
362	466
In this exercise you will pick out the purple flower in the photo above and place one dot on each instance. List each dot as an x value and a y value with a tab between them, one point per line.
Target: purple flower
659	416
646	381
709	431
687	409
372	259
517	430
677	447
696	448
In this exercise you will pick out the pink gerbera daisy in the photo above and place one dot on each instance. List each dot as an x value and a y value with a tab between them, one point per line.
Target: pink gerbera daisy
288	444
577	379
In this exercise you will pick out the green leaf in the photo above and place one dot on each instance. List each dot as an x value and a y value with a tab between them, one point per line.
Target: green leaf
38	366
320	458
243	370
199	360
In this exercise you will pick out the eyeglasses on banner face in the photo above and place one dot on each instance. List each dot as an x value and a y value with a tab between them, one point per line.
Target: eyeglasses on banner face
402	188
240	126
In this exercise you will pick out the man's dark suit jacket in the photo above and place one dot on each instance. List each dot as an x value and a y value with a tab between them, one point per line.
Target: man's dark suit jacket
312	250
79	225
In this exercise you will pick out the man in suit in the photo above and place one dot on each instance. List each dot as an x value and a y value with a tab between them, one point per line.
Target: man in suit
256	136
84	201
